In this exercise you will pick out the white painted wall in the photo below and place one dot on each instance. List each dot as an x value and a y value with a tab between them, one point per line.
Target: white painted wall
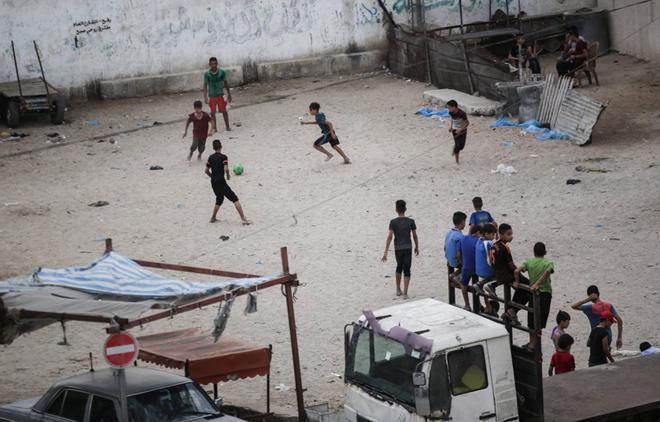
88	40
634	30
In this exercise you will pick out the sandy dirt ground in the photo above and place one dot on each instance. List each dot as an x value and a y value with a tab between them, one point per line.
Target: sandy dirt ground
332	217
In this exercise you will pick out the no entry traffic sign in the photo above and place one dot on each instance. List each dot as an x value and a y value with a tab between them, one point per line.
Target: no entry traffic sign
120	350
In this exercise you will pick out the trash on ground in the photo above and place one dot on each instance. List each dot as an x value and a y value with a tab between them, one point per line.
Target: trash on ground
94	123
157	123
155	168
429	112
224	238
99	204
531	126
282	387
53	135
507	144
573	181
504	169
590	170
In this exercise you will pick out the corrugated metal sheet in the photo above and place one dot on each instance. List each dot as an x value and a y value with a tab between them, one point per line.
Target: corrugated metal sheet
578	116
554	93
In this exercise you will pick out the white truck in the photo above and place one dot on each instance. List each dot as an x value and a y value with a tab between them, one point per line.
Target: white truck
428	360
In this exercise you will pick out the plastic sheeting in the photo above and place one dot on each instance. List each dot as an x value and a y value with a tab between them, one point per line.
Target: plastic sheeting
533	127
429	112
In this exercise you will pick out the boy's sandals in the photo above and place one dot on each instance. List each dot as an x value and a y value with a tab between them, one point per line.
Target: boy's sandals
477	287
247	222
490	291
511	319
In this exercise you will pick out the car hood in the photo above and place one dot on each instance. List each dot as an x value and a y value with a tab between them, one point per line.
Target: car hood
225	418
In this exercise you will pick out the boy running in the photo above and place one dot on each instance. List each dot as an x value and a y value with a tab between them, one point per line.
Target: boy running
201	129
458	128
328	134
215	82
400	229
217	168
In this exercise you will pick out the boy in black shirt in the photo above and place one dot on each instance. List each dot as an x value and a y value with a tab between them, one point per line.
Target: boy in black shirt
458	127
400	229
599	345
217	168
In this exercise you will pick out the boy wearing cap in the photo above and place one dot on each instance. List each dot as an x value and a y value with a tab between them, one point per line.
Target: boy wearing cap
598	344
594	310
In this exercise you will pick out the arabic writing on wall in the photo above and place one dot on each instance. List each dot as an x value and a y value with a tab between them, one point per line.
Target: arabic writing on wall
92	26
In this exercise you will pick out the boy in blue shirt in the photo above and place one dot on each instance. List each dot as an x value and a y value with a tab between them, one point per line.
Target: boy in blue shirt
468	272
594	310
453	245
479	216
328	134
483	266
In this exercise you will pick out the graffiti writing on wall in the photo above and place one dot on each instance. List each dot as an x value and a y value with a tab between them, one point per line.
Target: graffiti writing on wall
401	6
92	25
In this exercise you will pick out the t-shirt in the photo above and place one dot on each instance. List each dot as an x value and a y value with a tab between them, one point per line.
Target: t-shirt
200	126
215	82
453	246
216	163
580	48
321	121
482	265
555	334
535	267
650	351
563	362
468	252
480	217
524	52
402	227
597	355
458	118
593	312
501	257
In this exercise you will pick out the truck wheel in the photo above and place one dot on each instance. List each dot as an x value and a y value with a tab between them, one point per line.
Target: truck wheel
57	115
13	114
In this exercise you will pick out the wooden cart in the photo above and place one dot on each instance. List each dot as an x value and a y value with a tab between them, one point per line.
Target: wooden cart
30	96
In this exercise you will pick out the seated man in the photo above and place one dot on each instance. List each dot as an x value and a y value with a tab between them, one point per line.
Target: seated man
574	55
523	52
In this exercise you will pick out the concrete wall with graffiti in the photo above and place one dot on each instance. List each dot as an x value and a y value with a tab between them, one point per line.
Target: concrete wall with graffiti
89	40
446	12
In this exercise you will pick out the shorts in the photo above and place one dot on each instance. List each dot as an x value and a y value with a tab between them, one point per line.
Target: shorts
459	141
403	261
222	191
325	139
545	299
466	276
219	102
198	144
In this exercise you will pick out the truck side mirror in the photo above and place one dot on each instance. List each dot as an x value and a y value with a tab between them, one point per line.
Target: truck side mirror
419	379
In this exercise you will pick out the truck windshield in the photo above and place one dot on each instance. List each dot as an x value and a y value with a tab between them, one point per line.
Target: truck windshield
181	402
381	365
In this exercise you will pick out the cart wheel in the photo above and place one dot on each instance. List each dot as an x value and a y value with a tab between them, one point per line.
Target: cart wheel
13	114
57	115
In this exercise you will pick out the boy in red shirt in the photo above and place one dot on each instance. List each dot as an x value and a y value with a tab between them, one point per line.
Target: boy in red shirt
562	360
201	129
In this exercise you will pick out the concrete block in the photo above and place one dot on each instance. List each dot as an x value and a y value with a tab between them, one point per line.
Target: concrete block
162	84
321	65
471	104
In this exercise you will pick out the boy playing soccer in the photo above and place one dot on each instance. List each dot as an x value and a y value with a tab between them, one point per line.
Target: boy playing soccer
215	82
479	216
327	131
539	269
453	245
201	129
562	360
217	168
400	229
458	128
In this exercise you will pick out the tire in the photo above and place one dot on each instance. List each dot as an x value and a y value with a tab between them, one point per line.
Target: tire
57	115
13	115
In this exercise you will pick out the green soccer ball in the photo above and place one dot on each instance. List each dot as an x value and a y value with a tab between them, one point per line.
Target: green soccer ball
238	170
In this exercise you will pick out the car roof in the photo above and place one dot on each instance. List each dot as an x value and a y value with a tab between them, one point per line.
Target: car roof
447	325
138	380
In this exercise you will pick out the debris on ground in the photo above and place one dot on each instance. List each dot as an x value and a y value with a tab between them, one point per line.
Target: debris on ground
53	135
429	112
155	168
224	238
532	127
94	123
504	169
590	170
573	181
507	144
282	387
99	204
157	123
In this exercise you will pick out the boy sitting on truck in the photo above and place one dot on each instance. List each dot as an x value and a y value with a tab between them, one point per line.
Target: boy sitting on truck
539	269
562	360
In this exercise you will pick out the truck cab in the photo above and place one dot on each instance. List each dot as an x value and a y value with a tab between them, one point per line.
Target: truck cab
428	360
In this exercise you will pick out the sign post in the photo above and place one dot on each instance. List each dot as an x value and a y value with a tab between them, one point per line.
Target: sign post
120	350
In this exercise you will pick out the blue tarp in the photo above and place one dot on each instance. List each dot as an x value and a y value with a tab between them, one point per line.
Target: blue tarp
531	126
429	112
117	276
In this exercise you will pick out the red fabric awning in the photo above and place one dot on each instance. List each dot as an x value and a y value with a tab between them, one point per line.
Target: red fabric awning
208	362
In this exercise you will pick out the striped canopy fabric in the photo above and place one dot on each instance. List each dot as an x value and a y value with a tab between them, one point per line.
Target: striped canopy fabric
118	276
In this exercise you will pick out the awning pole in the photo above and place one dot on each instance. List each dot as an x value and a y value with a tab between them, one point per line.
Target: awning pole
294	338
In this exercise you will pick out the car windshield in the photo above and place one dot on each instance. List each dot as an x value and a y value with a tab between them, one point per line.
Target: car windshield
381	365
172	404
